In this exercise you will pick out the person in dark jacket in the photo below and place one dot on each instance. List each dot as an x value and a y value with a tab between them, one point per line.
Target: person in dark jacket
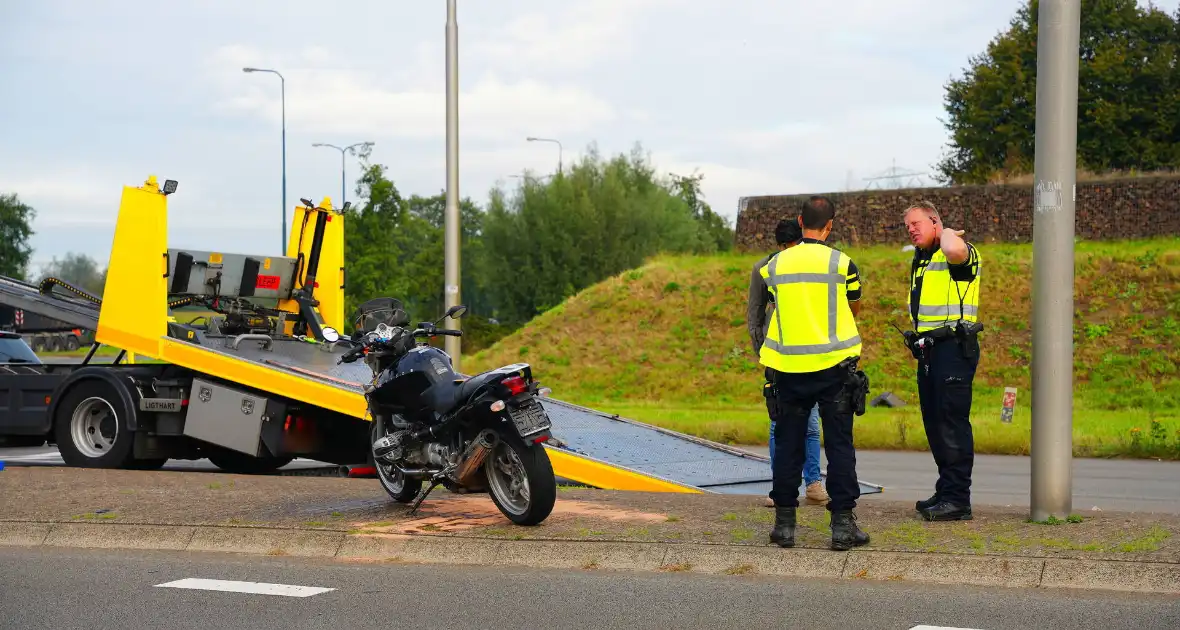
759	310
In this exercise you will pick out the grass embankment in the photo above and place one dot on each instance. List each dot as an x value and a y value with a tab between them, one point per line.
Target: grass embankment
667	344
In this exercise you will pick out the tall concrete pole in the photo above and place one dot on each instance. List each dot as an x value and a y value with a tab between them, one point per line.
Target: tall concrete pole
451	222
1059	26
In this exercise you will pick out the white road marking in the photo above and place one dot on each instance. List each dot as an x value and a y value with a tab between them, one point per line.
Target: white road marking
255	588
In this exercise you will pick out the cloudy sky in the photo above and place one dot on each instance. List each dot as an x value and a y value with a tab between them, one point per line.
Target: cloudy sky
762	96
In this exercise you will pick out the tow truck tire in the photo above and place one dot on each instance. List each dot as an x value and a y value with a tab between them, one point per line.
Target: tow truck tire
242	464
154	463
90	426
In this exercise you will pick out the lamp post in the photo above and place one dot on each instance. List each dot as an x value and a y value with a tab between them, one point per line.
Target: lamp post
557	142
342	152
1055	171
283	92
451	216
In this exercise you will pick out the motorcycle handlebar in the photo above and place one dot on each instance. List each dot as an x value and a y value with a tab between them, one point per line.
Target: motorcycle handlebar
359	346
437	332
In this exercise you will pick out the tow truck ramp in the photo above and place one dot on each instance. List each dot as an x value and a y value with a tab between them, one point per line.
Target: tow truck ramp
290	366
79	311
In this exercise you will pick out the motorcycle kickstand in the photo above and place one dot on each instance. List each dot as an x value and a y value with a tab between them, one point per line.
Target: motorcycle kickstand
422	496
434	483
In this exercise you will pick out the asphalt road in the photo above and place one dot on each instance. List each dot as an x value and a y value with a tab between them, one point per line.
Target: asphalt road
60	589
1123	485
49	456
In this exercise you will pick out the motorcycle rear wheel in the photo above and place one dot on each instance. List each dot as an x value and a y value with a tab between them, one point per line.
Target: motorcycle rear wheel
399	487
521	481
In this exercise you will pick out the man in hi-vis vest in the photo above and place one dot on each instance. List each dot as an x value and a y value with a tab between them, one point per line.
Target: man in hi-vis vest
943	304
811	350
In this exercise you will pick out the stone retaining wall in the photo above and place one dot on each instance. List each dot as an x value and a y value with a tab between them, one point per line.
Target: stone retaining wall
1127	208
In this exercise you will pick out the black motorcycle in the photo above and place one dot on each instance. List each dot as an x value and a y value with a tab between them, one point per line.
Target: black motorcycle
479	434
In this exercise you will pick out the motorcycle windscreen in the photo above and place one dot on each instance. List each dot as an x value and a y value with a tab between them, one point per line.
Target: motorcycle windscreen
388	311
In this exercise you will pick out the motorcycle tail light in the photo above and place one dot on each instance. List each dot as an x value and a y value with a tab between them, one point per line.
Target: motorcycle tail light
515	385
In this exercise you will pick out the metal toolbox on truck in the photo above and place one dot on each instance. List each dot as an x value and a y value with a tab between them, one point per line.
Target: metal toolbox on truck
230	418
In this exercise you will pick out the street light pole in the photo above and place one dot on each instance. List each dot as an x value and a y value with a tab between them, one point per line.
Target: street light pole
343	150
283	92
557	142
1055	166
451	219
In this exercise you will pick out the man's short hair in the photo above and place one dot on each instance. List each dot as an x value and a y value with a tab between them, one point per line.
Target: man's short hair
817	211
927	208
788	231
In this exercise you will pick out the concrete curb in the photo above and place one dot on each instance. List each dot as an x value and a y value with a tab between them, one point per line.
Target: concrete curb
935	568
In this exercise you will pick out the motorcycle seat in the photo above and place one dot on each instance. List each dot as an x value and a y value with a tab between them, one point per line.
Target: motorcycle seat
459	392
467	388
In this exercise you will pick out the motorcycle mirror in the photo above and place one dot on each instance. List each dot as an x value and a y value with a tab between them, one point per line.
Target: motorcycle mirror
330	334
457	311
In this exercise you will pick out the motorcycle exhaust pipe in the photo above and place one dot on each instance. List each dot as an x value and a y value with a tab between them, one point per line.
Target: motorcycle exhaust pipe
412	472
480	447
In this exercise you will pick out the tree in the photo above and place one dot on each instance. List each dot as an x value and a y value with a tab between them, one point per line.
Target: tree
15	230
394	248
549	240
715	231
1128	96
431	210
78	270
372	241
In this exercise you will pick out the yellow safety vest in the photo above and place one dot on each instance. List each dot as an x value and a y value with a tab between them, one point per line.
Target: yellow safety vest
813	328
941	297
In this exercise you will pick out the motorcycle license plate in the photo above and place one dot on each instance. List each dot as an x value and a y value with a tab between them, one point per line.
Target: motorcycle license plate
529	419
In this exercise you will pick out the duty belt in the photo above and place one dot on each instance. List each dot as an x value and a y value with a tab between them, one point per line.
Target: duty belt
936	335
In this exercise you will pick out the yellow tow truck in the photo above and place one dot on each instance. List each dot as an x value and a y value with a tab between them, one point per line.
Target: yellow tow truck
255	386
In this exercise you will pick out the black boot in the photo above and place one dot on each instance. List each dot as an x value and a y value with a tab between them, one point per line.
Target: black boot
783	533
922	506
845	533
947	511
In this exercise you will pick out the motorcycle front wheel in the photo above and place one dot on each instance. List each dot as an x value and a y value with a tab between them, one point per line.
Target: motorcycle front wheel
521	481
399	487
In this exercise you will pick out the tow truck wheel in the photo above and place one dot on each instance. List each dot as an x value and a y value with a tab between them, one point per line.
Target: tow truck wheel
154	463
242	464
90	427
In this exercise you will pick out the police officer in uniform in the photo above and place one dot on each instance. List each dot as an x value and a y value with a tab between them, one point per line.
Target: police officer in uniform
759	312
943	303
811	349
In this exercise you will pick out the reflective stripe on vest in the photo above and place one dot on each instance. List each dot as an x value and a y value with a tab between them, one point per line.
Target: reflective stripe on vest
938	304
813	327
